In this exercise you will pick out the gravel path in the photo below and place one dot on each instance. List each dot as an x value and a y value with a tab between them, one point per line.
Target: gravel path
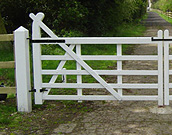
127	118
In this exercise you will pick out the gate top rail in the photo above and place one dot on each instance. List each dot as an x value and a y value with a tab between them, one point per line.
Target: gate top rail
97	40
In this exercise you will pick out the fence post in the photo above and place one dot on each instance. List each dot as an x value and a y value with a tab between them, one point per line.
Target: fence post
160	69
21	43
166	69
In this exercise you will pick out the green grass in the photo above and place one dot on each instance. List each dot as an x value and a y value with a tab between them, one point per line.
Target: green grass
5	114
131	30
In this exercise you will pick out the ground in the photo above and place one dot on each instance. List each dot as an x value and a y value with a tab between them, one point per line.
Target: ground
104	117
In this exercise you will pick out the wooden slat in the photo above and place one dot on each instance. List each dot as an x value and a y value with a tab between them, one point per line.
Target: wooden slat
6	37
101	72
99	86
102	97
7	64
7	90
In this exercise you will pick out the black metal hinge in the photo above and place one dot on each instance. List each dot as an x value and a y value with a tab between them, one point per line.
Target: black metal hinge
32	90
42	90
46	41
161	39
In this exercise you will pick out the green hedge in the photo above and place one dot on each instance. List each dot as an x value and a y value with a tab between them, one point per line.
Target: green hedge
163	5
73	17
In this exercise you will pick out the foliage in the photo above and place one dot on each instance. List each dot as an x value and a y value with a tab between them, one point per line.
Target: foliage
80	17
163	5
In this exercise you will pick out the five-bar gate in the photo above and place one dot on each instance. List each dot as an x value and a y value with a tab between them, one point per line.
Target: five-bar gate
82	68
73	52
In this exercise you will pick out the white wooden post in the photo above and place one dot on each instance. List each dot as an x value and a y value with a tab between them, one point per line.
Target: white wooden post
37	65
160	70
119	68
22	69
78	66
64	77
166	69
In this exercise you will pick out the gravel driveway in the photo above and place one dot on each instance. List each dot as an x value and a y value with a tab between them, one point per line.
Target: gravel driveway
133	117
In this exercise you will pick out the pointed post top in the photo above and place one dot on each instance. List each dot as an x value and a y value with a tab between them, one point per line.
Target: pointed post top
21	28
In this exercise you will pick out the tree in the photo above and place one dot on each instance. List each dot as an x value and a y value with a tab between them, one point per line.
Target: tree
73	17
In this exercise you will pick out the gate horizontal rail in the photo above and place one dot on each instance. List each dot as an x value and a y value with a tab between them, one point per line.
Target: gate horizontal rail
102	40
100	72
101	57
97	85
100	97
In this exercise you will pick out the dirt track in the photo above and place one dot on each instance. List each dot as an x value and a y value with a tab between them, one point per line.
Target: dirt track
133	117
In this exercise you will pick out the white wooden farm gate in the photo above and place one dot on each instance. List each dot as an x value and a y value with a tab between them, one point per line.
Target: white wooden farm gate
42	89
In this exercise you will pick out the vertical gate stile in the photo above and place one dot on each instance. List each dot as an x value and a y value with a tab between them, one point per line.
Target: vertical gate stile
119	67
78	66
166	69
160	69
36	33
64	77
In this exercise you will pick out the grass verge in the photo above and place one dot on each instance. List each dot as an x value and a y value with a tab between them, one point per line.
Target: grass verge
163	16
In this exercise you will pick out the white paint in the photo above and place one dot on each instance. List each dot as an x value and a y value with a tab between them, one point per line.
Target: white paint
100	86
101	57
37	65
100	72
78	66
160	69
22	62
166	69
119	68
87	70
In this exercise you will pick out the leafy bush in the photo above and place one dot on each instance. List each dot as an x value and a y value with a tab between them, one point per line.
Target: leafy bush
86	17
163	5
